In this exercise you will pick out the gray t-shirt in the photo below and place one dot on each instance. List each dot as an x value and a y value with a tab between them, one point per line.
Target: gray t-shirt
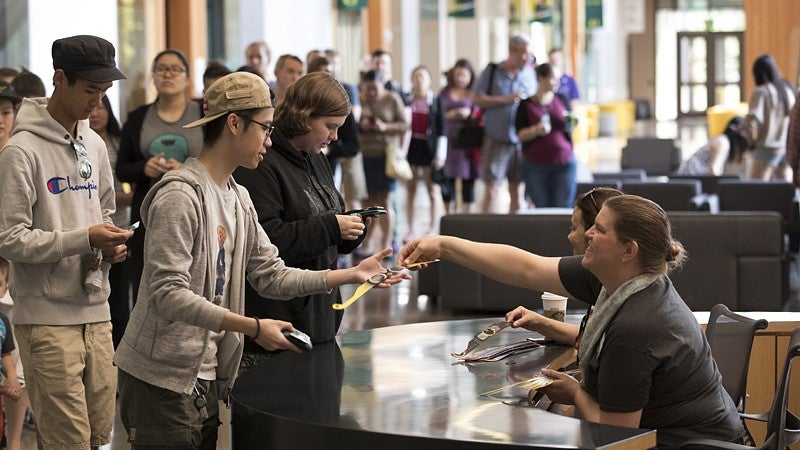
655	358
159	136
222	218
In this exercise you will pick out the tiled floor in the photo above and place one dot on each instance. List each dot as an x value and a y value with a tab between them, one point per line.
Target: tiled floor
401	304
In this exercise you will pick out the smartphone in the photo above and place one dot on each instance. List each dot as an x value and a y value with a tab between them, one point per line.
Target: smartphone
372	211
299	339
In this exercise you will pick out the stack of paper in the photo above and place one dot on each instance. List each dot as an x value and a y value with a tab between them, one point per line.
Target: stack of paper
500	352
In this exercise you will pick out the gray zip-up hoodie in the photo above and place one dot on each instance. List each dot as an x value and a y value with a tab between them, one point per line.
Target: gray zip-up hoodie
170	325
46	209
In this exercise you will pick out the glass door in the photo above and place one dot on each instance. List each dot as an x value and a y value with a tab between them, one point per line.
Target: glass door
710	71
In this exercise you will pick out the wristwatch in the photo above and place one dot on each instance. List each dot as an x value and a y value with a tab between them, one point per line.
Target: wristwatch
482	336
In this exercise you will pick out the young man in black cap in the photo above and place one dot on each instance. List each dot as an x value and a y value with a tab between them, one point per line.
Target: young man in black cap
56	197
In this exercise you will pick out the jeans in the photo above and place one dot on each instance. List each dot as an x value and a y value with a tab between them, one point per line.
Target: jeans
550	185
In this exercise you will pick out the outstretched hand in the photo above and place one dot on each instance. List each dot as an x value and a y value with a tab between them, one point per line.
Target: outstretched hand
423	249
372	266
523	317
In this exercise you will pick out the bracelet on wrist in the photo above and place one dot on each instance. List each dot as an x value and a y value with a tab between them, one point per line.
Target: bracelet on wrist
258	328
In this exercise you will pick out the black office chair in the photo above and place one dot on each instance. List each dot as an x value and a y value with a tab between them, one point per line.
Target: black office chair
674	195
783	427
657	156
730	337
709	182
756	195
622	175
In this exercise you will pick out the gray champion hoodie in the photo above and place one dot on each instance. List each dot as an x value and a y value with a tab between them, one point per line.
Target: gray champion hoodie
170	325
46	209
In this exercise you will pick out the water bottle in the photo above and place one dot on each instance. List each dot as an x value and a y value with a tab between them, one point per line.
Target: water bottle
546	123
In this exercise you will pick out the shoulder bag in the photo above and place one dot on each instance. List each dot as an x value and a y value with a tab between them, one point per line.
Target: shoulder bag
397	167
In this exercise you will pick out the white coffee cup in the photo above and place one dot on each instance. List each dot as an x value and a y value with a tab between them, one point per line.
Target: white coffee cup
555	306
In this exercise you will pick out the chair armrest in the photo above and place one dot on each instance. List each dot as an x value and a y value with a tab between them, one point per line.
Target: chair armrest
762	417
701	202
792	422
713	443
713	203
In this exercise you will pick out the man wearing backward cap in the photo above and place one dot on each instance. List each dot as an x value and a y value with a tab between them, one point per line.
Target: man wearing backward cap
183	343
56	198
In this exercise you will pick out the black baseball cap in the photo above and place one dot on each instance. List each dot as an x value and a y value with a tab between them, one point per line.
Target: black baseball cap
7	92
89	57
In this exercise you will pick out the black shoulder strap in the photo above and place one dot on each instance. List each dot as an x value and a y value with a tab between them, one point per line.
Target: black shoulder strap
492	70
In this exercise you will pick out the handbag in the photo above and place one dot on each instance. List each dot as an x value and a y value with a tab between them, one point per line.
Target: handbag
397	167
470	133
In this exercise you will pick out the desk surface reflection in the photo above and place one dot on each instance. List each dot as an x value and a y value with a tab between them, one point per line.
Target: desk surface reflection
397	387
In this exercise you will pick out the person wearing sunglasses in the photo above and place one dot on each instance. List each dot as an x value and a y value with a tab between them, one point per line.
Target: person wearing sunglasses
643	357
181	349
155	142
56	201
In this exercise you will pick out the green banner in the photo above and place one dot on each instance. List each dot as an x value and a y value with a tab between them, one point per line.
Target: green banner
543	11
351	5
537	11
461	8
594	14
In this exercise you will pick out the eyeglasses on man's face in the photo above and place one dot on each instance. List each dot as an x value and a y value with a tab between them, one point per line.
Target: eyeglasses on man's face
162	70
85	166
268	127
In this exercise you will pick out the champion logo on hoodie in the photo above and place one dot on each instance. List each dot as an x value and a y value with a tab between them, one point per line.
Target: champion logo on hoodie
57	185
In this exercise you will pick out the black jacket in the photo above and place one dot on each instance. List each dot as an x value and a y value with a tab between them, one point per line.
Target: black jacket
296	202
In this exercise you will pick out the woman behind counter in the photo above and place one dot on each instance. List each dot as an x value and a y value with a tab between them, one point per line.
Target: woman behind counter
584	213
644	359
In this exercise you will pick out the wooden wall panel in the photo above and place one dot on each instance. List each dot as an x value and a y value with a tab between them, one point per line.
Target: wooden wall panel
772	27
187	31
761	381
378	21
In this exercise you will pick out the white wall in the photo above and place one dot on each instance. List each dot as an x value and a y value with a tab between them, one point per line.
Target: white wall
293	27
610	54
49	20
297	26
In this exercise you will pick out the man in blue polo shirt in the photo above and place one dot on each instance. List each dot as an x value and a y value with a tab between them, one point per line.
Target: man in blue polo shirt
499	89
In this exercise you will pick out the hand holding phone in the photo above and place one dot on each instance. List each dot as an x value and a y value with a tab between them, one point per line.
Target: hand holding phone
299	339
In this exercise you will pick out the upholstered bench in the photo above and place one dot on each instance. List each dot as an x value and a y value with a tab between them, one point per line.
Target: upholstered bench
735	258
